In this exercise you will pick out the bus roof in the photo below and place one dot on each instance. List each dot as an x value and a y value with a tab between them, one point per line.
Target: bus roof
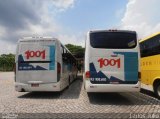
25	39
151	36
112	30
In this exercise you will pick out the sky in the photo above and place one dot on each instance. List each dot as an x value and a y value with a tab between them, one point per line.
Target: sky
69	20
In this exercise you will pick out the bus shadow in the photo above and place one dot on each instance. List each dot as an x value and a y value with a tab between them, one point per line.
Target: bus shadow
121	99
108	99
71	92
41	95
147	92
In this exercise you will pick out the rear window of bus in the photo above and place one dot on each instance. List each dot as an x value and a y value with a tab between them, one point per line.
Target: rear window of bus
113	40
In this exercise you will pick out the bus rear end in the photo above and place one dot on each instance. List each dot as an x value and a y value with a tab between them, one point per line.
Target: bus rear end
111	62
36	65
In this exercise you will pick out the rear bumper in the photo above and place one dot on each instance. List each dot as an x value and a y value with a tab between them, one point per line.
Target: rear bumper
89	87
42	87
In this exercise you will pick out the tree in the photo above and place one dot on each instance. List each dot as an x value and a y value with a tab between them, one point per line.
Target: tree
77	51
7	62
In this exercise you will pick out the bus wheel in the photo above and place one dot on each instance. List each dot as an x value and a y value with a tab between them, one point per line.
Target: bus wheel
157	90
75	76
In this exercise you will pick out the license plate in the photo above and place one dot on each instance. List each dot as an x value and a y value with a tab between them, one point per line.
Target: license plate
34	85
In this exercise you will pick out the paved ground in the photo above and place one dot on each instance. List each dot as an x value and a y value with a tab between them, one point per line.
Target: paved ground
73	102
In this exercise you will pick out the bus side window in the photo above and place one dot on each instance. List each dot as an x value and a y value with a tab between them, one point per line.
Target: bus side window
150	47
141	49
62	50
156	45
64	56
74	63
146	49
68	57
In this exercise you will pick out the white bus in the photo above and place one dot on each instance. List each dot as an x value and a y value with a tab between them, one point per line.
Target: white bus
43	64
111	61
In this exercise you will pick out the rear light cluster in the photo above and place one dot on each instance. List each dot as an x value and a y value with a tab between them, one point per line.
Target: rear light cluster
87	74
58	71
58	68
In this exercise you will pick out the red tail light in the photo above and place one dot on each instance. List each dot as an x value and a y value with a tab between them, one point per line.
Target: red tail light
58	68
87	74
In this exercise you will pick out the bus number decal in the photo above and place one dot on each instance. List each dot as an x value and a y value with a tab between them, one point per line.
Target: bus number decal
109	62
38	53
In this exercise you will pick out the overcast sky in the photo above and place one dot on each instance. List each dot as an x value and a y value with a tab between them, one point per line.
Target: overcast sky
69	20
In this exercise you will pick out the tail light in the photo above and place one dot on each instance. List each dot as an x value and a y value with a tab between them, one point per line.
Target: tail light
87	74
58	68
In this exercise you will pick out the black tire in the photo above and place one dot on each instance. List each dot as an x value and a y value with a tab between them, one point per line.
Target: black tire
68	82
76	76
157	90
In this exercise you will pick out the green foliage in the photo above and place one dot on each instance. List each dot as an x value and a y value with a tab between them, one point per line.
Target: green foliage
77	51
7	62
